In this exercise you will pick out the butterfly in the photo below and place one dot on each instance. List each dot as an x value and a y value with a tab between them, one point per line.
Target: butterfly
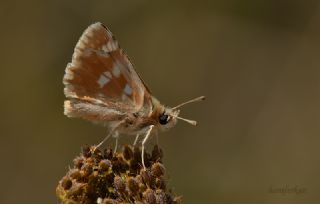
102	86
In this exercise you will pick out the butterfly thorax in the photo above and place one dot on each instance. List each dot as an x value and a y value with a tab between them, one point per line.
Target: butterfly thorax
161	117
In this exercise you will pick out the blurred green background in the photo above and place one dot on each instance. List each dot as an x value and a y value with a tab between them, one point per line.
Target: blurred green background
257	61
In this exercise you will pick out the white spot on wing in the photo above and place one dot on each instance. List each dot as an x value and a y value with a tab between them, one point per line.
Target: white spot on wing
80	45
110	46
89	32
68	73
125	97
127	90
97	101
76	54
67	107
103	80
103	54
108	74
86	38
68	90
95	26
105	49
116	70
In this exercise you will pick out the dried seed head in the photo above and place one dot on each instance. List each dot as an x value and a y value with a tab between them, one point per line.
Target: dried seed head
108	154
66	183
119	165
161	197
157	154
127	152
142	187
150	196
177	200
75	174
109	201
137	154
157	169
97	155
87	169
133	185
119	184
147	177
161	183
104	165
115	179
70	202
86	151
78	162
76	190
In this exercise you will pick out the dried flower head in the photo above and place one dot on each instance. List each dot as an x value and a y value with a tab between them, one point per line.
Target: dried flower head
106	178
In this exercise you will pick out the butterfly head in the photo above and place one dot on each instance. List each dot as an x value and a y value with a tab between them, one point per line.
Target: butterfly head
169	116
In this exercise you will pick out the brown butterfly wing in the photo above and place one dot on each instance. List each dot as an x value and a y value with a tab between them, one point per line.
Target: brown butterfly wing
102	76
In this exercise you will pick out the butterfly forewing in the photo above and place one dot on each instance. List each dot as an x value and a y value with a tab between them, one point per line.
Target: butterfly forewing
101	73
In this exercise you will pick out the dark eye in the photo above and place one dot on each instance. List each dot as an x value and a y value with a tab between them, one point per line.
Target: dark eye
163	119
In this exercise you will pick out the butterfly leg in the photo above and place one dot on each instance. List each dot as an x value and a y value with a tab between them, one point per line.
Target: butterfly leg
116	136
143	143
105	139
136	140
108	136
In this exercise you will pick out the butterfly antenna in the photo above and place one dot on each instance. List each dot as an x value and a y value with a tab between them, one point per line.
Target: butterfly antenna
192	122
201	98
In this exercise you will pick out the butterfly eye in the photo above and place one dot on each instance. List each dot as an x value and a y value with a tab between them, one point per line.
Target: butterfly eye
163	119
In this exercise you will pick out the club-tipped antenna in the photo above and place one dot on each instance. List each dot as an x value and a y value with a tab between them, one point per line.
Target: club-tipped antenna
201	98
192	122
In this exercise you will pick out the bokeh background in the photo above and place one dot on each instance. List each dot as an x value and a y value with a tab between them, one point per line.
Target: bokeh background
257	61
